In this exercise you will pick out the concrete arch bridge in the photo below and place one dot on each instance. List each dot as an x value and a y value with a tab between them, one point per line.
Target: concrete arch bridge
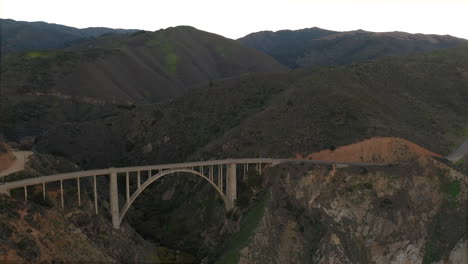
221	174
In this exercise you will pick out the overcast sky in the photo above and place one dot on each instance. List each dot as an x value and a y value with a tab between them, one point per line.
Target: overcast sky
236	18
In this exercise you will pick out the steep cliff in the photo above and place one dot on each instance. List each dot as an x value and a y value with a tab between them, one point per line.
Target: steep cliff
411	213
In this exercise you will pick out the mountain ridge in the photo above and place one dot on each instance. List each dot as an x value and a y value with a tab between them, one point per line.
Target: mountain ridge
144	66
21	35
316	46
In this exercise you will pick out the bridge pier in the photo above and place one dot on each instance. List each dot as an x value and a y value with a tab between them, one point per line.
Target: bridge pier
231	185
114	200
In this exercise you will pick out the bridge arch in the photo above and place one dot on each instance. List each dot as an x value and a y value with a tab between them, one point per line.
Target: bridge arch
160	175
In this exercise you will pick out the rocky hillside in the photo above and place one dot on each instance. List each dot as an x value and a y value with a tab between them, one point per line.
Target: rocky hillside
21	36
295	213
39	230
316	46
142	67
292	212
35	233
412	213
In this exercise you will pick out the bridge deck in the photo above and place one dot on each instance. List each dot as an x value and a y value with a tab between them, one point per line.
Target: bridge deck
88	173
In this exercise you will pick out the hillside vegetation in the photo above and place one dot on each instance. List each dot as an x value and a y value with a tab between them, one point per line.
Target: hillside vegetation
22	36
316	46
40	231
420	98
143	67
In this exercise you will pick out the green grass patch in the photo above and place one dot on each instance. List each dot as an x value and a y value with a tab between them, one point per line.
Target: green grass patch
221	51
171	63
429	255
460	161
160	43
36	54
465	132
446	228
452	189
167	255
168	50
239	240
444	233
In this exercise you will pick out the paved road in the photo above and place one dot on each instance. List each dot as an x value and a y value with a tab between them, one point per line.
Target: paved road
459	153
19	163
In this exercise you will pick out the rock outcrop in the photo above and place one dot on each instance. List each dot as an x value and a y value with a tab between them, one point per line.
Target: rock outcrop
411	213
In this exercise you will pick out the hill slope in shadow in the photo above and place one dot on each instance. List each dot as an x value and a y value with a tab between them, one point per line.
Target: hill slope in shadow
143	67
421	98
22	36
316	46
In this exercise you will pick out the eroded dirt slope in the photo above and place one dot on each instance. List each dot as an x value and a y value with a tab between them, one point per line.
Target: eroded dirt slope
378	150
6	157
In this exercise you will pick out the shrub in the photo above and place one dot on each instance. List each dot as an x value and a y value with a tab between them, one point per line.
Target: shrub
243	200
28	249
254	180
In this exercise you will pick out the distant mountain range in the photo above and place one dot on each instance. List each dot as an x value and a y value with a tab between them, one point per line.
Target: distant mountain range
141	67
19	35
207	93
316	46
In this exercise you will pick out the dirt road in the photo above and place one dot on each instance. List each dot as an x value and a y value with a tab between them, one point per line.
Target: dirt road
19	163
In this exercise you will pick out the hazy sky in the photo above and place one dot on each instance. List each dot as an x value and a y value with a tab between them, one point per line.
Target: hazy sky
236	18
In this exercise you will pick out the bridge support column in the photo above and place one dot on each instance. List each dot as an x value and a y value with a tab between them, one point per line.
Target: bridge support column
231	185
114	200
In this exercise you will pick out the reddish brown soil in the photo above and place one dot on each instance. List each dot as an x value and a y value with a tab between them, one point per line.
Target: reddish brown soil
6	156
374	150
